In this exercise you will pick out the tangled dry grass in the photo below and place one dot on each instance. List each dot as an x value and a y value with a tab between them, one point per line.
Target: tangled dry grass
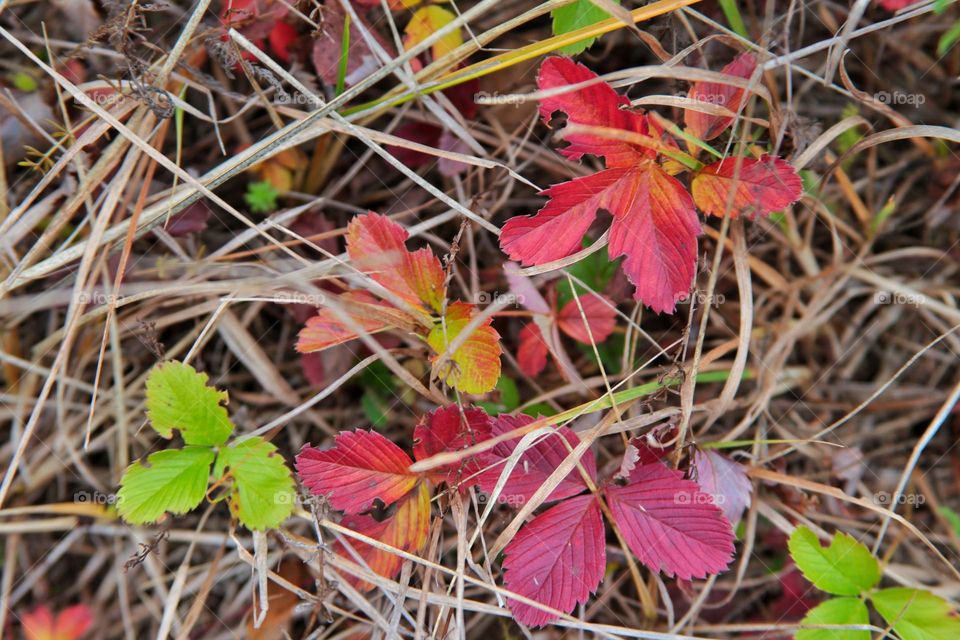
128	240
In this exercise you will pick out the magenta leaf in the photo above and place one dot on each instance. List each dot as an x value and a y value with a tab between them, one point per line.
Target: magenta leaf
535	464
556	559
669	524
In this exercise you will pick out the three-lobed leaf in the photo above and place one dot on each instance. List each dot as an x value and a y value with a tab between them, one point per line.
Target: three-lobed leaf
174	480
178	397
264	492
836	611
844	568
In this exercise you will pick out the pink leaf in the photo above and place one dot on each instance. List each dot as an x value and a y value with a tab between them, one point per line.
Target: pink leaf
556	559
669	524
536	463
600	314
725	480
525	290
707	126
452	429
362	467
758	186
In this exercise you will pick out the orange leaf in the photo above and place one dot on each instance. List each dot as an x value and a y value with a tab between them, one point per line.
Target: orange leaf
475	366
376	245
327	329
69	624
406	529
759	186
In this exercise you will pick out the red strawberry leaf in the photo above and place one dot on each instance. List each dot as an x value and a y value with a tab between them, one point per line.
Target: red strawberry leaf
655	226
595	105
406	530
452	429
532	350
669	524
599	312
536	463
707	126
361	468
557	559
759	186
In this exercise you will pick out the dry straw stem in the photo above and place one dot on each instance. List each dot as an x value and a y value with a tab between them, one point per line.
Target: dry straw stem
799	363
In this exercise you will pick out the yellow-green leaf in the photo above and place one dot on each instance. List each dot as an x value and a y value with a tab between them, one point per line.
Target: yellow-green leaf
263	490
845	568
836	611
172	481
178	397
916	614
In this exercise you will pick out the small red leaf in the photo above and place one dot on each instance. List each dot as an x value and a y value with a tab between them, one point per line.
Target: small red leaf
532	350
707	126
536	463
406	530
556	559
362	467
452	429
669	524
596	105
376	244
599	312
760	186
725	480
281	38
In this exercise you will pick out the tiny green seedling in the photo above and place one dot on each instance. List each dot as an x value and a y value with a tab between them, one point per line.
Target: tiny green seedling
848	570
259	486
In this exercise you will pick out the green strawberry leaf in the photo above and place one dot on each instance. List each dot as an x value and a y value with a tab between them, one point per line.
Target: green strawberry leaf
172	481
845	568
836	611
576	15
178	398
916	614
263	493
